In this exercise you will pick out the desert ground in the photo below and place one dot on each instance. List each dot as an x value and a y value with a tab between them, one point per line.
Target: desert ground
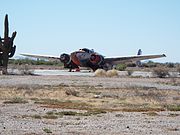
89	105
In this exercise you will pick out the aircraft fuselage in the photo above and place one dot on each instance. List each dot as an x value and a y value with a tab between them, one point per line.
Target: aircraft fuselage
86	58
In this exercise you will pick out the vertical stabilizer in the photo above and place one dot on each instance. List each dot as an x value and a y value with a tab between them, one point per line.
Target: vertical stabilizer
138	63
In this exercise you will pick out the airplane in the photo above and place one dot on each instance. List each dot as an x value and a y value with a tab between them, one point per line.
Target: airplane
89	58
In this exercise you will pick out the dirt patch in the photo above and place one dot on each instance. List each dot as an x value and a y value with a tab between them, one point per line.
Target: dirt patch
84	97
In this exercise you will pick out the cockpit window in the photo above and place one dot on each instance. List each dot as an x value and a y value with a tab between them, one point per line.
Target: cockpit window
87	50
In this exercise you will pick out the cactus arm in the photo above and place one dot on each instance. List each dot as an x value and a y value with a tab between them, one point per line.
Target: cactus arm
6	27
13	49
1	45
13	35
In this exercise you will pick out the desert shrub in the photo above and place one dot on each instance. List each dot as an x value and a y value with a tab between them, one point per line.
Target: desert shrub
47	130
149	64
72	92
173	107
36	116
100	73
178	69
160	72
111	73
103	73
25	70
50	117
16	100
131	65
151	113
129	72
170	65
121	67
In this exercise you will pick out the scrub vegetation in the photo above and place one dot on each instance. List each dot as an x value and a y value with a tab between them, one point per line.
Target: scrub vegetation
16	100
47	130
34	62
121	67
161	72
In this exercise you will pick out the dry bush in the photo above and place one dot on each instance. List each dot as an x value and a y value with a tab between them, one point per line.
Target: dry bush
25	70
72	92
47	130
16	100
130	72
160	72
178	69
121	67
170	65
100	73
149	64
103	73
111	73
175	107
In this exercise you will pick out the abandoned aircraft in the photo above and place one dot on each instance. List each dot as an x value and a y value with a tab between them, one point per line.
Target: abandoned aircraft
89	58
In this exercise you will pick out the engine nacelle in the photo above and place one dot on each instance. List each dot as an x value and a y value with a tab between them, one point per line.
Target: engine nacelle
65	58
68	63
96	59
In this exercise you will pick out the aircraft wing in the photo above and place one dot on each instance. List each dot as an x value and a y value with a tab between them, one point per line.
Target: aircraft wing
50	58
130	59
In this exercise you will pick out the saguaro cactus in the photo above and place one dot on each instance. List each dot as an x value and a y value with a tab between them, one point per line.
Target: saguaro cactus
7	49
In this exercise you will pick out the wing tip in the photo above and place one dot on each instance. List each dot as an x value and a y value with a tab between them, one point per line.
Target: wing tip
164	55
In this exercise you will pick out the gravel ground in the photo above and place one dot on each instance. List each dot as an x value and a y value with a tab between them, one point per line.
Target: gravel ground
118	82
116	123
14	120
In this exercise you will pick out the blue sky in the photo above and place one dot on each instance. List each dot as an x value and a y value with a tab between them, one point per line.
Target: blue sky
110	27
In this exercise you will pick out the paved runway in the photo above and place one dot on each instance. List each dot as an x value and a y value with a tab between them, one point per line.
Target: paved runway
63	72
